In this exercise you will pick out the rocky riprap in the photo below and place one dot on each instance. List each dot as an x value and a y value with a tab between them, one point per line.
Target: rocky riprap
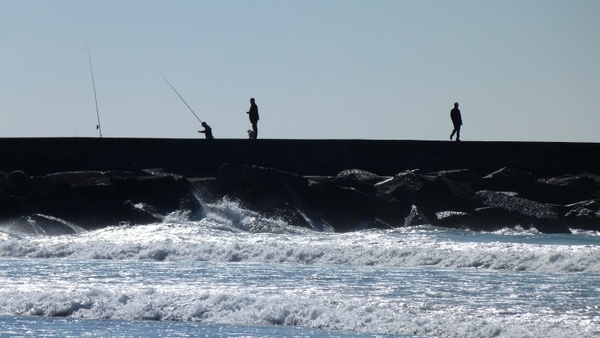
356	199
352	200
64	202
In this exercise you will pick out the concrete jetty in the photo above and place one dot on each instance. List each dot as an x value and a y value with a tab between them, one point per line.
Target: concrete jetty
203	158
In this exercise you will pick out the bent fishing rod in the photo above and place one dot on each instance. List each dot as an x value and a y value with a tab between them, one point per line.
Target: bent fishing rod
176	92
98	126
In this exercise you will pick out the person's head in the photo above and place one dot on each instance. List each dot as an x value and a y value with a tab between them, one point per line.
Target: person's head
204	124
252	100
455	104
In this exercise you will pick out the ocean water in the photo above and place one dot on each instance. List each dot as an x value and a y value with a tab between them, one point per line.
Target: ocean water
230	272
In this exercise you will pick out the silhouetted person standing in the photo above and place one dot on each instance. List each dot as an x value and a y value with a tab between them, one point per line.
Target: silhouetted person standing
456	121
207	131
253	115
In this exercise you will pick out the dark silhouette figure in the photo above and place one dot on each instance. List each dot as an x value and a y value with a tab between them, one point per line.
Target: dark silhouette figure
456	121
253	115
207	131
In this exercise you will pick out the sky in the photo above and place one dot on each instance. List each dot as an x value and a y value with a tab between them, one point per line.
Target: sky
521	70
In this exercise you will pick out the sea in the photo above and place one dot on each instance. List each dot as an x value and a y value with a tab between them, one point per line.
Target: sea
231	272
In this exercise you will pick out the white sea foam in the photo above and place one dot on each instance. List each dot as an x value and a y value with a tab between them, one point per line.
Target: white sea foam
407	301
233	266
231	234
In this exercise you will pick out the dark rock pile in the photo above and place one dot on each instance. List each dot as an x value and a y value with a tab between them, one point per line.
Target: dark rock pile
65	202
353	200
356	199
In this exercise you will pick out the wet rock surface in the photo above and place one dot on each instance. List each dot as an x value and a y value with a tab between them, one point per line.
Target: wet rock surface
90	199
68	202
356	199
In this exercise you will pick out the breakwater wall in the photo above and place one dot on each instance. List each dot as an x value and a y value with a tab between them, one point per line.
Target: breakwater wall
202	158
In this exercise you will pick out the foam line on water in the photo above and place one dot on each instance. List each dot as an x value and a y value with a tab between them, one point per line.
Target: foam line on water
207	240
424	302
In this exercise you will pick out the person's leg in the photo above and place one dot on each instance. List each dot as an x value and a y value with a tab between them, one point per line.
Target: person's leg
255	129
458	133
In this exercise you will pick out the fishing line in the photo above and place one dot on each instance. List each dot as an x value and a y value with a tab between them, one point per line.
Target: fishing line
190	108
98	126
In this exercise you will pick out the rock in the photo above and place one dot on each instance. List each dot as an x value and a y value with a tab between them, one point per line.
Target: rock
62	201
583	215
505	179
465	176
381	205
284	202
512	202
270	192
554	194
415	217
79	179
569	189
15	206
230	181
131	213
270	177
454	219
20	184
91	199
431	193
354	199
587	182
495	218
542	216
551	226
524	183
205	188
343	208
165	194
39	224
361	175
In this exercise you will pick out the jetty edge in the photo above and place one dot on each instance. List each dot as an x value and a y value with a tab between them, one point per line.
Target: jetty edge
203	158
55	186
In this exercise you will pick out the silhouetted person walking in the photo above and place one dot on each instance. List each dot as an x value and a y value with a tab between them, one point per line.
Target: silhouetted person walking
207	131
456	121
253	115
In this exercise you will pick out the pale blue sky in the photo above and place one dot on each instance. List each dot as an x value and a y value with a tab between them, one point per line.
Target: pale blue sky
522	70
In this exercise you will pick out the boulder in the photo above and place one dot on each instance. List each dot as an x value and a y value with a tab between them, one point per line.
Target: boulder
381	205
495	218
431	192
505	179
345	209
14	206
587	182
284	202
543	217
230	181
584	215
415	217
361	175
454	219
92	199
267	177
554	194
39	224
464	176
165	194
62	201
554	191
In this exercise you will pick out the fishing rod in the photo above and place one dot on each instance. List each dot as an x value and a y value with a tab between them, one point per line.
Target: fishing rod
98	126
190	108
